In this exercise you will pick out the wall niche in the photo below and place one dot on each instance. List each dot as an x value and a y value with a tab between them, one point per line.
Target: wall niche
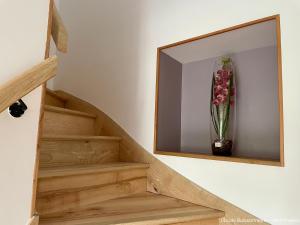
183	94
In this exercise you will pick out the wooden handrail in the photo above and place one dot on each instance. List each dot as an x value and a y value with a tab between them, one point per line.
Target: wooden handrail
34	220
15	89
59	32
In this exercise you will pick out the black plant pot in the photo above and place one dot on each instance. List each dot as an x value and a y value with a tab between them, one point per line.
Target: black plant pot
222	148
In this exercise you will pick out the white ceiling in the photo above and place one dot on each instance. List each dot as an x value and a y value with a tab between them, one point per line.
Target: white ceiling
250	37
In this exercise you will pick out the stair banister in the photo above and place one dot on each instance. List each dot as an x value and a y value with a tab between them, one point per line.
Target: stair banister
26	82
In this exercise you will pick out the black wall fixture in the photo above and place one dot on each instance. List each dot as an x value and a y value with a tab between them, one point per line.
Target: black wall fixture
18	108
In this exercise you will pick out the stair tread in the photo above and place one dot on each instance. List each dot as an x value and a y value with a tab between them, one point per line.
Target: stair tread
54	94
80	137
89	169
51	108
140	209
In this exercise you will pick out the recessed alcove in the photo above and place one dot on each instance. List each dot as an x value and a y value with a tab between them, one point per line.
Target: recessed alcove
184	75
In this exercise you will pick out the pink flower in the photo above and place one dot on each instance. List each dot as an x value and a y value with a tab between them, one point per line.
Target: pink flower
222	86
225	75
225	91
218	88
216	102
221	98
219	82
225	84
218	77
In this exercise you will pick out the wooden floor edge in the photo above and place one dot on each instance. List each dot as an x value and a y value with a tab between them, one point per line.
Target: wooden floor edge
162	179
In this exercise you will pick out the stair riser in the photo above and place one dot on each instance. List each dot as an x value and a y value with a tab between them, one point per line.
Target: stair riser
63	153
72	199
214	221
87	180
155	216
54	101
56	123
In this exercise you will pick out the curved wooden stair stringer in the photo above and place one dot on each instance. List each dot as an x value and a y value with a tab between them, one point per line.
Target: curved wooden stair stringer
84	180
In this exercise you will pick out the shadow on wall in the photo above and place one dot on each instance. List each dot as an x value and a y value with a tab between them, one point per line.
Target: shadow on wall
105	37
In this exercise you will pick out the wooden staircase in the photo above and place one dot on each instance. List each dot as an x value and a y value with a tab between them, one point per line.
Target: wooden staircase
82	181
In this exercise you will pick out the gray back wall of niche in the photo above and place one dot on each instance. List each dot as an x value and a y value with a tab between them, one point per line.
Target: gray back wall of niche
169	104
257	115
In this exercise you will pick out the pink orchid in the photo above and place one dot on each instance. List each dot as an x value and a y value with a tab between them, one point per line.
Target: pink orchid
218	77
218	88
219	82
225	92
225	73
216	102
221	87
225	84
221	98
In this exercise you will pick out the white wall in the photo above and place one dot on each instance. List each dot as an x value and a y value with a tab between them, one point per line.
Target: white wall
112	63
22	45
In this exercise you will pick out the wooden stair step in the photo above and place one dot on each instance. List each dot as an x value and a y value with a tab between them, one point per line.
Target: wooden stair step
67	150
51	108
80	138
67	188
141	209
89	169
61	121
54	94
52	98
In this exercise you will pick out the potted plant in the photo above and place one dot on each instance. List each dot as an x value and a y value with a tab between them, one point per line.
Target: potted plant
222	107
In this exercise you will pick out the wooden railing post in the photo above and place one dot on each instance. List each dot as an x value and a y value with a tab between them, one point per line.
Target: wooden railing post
59	32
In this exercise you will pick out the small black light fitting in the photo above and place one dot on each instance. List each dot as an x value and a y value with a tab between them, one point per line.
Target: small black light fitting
18	108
